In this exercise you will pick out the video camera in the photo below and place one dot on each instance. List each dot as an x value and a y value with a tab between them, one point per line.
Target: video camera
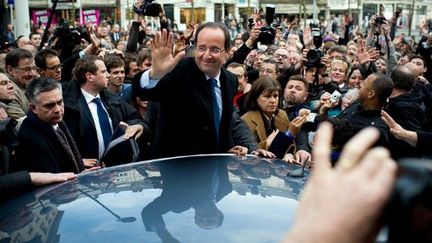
379	20
149	8
313	57
268	33
68	37
409	212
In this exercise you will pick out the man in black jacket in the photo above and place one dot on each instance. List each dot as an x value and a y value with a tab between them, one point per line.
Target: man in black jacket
12	184
367	111
407	108
45	144
195	117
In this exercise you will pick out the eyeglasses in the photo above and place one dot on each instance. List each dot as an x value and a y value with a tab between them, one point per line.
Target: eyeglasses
54	68
26	69
213	50
266	70
280	56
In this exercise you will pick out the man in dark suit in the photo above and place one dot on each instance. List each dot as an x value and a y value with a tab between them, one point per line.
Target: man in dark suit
45	144
9	35
115	33
195	116
92	113
13	184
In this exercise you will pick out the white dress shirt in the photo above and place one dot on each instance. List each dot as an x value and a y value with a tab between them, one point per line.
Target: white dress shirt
93	110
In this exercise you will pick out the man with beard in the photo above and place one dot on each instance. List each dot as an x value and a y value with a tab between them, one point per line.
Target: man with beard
295	96
295	99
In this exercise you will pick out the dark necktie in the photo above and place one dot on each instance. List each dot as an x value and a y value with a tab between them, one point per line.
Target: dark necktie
103	121
64	142
216	103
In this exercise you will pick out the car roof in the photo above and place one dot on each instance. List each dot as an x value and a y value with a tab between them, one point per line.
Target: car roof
202	198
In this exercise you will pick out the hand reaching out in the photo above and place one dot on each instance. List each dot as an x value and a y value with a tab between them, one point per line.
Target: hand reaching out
307	36
191	27
364	56
42	179
296	124
271	137
328	196
264	153
238	150
132	130
398	131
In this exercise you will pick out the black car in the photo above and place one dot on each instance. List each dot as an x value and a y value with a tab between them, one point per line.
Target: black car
203	198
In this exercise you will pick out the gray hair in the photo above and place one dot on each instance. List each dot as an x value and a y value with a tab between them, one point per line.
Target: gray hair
40	85
354	92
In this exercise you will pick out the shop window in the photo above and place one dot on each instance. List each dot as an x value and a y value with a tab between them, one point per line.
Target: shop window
186	15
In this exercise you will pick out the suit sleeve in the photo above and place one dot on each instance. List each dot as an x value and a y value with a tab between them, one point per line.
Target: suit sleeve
240	55
424	140
241	133
68	65
12	185
132	44
14	108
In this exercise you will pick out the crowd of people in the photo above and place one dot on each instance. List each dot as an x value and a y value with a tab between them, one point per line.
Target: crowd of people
207	90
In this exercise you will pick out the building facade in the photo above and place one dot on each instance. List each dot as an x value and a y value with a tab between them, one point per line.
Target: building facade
182	12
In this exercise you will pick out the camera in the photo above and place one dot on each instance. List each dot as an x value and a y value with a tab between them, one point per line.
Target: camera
149	8
379	20
317	39
408	213
335	96
69	37
268	33
313	57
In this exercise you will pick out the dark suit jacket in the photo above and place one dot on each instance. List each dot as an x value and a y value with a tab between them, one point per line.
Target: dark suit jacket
189	184
185	124
39	149
11	185
80	122
111	34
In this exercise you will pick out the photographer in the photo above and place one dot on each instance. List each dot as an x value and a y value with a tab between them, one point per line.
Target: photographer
141	9
250	44
379	38
69	62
